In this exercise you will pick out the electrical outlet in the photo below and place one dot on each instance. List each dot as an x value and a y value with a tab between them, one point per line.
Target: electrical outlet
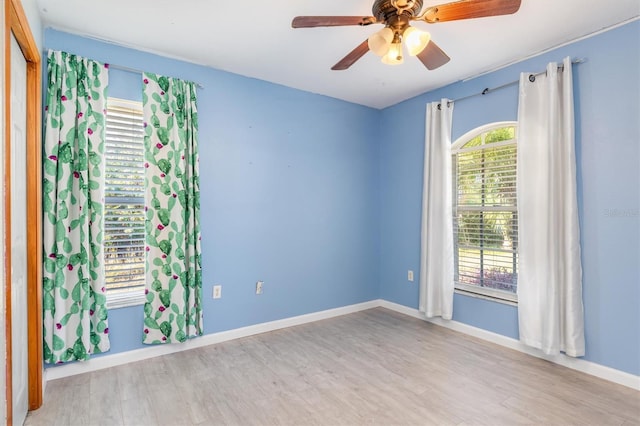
217	291
410	275
259	287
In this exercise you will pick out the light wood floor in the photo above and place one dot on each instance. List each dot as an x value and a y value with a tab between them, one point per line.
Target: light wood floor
372	367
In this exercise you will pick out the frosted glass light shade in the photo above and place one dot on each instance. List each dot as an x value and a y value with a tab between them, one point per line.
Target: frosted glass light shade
394	55
415	40
380	42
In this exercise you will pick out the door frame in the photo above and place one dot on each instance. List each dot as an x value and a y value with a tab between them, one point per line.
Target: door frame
16	23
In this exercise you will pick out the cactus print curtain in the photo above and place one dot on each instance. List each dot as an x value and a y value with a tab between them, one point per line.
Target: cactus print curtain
173	308
74	300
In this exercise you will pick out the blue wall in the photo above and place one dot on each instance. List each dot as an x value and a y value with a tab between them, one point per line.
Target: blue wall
286	193
607	89
321	199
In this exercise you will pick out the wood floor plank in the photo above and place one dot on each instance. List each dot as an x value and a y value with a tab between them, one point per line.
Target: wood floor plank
104	403
375	367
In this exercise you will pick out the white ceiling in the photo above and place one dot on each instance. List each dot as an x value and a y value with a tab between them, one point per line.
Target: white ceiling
254	38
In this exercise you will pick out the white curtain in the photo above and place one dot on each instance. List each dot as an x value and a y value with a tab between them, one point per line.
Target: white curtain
550	307
436	248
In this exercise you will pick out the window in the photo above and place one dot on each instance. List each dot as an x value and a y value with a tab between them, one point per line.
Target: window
485	217
124	220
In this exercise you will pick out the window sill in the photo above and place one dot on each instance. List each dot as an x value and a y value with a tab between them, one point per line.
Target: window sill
487	294
124	300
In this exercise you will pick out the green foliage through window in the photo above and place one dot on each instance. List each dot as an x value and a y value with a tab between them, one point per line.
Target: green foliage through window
485	210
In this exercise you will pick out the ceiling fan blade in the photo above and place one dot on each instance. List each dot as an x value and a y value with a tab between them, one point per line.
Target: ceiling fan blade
331	21
468	9
352	57
432	56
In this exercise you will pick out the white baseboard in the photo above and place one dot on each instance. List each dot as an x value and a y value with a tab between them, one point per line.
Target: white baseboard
588	367
121	358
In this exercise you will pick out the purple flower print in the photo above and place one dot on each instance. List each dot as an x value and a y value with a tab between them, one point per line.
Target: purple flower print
161	308
159	145
162	175
76	175
53	158
90	131
175	277
174	195
160	227
145	81
63	98
106	65
91	312
146	331
164	338
80	115
106	330
69	266
58	326
146	165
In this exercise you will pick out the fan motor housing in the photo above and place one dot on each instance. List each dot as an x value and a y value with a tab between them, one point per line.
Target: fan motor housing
384	10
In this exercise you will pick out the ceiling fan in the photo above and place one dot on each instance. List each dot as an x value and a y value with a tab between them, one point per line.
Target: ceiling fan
396	15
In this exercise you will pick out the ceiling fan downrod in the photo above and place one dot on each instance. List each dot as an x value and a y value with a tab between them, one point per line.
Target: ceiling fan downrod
403	5
384	10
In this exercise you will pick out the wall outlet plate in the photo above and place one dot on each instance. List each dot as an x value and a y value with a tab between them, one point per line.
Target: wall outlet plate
259	285
217	291
410	275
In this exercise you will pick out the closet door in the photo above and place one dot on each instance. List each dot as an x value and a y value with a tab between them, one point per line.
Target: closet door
19	335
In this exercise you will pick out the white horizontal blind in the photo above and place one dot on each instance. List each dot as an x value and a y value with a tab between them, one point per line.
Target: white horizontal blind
124	245
485	214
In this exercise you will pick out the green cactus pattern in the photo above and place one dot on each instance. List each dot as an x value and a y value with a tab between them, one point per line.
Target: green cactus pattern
173	308
74	299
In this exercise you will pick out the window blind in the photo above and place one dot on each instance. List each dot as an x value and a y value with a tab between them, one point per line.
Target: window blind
485	214
124	246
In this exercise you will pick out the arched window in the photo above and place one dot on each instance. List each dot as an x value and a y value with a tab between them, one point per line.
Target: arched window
485	217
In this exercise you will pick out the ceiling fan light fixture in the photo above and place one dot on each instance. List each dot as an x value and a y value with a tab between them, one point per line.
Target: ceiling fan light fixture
415	40
380	42
396	16
394	55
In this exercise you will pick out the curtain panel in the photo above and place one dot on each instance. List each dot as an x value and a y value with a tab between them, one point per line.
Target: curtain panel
436	247
173	308
74	299
550	309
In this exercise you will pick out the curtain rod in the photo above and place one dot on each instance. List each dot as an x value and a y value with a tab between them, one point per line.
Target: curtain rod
511	83
137	71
